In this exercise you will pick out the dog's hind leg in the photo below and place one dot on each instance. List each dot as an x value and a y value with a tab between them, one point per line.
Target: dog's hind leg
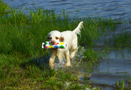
73	52
74	48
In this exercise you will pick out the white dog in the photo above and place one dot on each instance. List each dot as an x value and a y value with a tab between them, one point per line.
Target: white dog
68	37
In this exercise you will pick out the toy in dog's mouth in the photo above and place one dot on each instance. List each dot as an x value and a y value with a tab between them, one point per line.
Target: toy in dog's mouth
48	45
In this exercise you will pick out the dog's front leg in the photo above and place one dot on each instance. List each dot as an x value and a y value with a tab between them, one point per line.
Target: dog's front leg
67	56
51	60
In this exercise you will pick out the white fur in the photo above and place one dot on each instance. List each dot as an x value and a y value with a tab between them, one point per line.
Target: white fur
70	38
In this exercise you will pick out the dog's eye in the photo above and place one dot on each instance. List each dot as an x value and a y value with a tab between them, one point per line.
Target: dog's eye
56	38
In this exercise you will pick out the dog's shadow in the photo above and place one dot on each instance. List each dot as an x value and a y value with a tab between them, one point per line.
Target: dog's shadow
41	62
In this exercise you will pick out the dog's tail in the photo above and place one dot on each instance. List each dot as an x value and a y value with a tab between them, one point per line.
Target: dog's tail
77	29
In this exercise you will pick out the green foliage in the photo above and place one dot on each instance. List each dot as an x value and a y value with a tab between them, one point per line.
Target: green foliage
91	55
3	7
123	84
120	85
24	33
122	40
94	27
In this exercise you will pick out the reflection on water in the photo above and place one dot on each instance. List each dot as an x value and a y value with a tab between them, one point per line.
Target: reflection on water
117	62
113	68
92	8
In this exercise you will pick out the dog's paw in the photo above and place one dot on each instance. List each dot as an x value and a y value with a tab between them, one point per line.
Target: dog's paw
71	58
52	66
68	64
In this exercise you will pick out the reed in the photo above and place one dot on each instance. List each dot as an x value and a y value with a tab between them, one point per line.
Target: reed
122	40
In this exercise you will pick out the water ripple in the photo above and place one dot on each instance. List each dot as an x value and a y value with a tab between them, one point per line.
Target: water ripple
99	8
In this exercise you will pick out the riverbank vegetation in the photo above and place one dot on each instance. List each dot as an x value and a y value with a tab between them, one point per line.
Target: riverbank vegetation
21	36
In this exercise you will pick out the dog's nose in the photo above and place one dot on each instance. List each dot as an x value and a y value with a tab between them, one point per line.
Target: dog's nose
52	42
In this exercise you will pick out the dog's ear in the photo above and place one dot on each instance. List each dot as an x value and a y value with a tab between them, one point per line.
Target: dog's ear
61	39
47	36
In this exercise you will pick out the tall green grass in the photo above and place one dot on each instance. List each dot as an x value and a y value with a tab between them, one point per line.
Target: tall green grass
3	7
123	84
122	40
24	33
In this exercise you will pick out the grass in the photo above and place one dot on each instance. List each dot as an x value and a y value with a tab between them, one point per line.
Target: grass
91	55
122	40
3	7
94	27
21	36
123	84
91	58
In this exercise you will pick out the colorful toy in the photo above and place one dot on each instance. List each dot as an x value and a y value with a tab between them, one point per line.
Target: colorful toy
58	45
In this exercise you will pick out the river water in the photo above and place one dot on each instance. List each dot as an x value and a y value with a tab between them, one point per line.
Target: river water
80	8
116	66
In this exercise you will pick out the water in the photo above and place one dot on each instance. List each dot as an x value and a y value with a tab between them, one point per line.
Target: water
114	67
80	8
115	64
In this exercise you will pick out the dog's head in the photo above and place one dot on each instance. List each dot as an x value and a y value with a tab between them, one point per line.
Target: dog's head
55	37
